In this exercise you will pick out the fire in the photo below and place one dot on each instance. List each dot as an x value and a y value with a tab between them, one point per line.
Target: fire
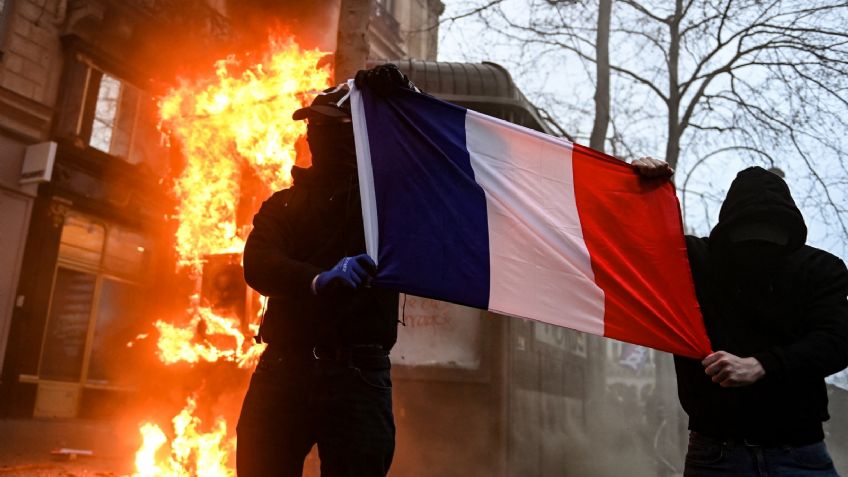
222	340
239	120
232	129
192	452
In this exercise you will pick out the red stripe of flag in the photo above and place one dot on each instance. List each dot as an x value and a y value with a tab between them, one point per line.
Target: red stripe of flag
634	233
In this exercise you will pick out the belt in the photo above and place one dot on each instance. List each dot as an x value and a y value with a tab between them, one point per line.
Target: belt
364	356
747	441
346	353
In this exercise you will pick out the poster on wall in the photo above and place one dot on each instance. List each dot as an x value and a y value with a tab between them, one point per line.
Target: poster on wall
438	334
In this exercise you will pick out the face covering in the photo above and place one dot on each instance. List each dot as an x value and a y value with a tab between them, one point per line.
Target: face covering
754	257
332	147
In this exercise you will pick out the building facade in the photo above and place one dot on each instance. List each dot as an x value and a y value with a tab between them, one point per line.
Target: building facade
83	205
81	171
85	240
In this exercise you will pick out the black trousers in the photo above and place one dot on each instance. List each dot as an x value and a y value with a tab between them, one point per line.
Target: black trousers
343	404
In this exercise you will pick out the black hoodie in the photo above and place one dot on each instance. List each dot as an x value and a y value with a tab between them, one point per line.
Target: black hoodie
787	308
304	230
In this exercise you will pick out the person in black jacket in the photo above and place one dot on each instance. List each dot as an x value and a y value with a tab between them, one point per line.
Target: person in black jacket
776	313
325	376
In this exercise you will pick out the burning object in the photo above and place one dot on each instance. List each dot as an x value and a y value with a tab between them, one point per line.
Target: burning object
230	127
235	133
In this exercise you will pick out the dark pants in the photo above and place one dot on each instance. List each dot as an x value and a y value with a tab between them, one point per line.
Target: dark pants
708	457
343	404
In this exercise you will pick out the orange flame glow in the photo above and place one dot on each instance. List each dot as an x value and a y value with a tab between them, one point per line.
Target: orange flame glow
234	124
222	340
240	118
192	451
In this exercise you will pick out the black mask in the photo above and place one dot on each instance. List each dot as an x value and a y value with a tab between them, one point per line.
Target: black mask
753	258
332	147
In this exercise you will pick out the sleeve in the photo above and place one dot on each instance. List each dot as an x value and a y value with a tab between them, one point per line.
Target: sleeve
268	264
823	348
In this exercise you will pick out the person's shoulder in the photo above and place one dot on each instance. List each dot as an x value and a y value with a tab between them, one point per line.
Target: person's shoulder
301	180
281	197
812	256
816	256
815	262
277	204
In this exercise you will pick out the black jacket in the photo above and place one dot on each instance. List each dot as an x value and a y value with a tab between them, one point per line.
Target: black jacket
790	313
298	233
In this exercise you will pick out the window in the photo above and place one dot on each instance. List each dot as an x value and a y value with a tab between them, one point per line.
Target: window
110	114
384	16
67	325
82	241
124	122
105	115
118	319
95	307
125	252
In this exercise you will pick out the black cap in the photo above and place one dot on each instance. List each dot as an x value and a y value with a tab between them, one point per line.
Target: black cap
757	197
326	105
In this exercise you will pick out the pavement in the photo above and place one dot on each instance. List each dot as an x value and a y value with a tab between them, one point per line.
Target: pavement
26	447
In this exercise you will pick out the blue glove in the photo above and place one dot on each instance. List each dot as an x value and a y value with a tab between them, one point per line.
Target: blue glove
350	273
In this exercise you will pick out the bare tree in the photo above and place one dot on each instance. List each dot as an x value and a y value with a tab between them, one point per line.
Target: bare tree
567	28
753	79
597	140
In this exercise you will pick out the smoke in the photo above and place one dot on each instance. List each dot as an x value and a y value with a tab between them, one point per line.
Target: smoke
192	36
314	24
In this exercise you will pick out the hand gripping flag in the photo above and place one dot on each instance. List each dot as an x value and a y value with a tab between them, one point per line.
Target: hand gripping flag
466	208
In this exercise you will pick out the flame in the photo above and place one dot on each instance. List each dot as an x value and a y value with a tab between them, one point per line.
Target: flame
222	340
192	452
239	119
233	126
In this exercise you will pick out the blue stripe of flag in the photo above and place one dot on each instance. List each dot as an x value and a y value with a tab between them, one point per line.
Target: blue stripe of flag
433	231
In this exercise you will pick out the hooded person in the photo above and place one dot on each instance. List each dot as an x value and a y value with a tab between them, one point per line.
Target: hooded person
775	310
324	378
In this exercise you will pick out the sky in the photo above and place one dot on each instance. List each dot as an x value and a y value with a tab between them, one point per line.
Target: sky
560	83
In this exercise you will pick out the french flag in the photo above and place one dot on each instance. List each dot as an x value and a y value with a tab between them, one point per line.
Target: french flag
466	208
